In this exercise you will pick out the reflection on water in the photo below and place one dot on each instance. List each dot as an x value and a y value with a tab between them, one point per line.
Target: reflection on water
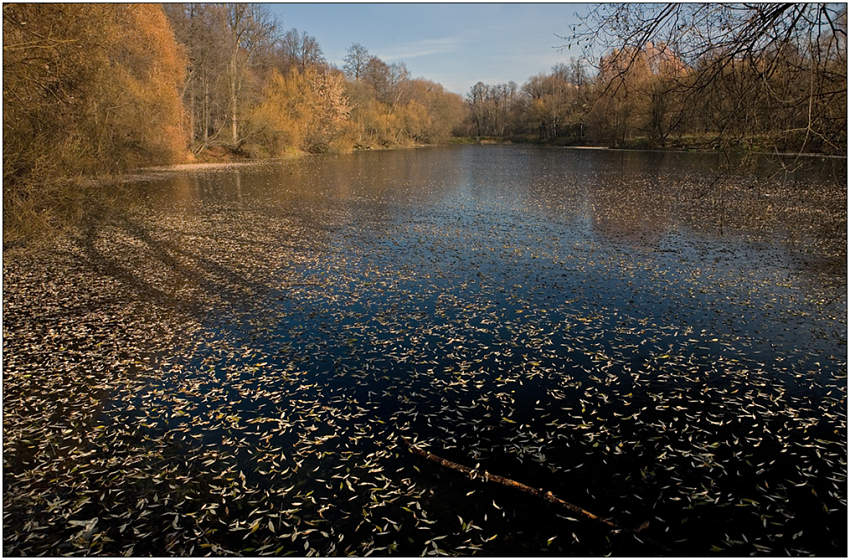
633	197
680	215
647	335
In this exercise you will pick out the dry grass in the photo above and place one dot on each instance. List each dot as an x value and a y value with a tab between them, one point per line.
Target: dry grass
37	215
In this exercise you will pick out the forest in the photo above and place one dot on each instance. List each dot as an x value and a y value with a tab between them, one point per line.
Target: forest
104	88
769	77
92	89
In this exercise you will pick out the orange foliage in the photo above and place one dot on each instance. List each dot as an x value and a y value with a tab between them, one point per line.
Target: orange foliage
89	88
302	110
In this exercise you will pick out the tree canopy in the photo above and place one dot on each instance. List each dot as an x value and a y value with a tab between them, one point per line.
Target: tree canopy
741	68
89	88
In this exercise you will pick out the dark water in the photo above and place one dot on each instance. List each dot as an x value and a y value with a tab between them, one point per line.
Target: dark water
657	338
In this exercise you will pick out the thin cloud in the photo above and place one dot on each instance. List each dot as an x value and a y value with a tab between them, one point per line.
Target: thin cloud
541	57
424	47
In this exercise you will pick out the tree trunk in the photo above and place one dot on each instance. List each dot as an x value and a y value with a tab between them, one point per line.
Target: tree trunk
206	109
192	113
233	117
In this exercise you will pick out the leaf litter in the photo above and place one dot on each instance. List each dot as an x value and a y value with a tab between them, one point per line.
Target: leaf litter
228	364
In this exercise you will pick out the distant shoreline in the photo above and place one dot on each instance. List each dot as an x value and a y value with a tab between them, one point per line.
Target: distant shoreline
697	151
485	141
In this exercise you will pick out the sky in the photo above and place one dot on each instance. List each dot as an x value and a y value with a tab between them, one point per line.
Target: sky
453	44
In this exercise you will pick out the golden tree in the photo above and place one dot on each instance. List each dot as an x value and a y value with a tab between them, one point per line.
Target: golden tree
88	88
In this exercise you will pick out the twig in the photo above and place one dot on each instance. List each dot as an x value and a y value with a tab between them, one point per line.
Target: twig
547	495
488	477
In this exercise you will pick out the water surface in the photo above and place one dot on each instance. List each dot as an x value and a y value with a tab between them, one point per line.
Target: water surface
654	337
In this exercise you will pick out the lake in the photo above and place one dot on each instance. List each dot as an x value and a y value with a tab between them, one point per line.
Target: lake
236	360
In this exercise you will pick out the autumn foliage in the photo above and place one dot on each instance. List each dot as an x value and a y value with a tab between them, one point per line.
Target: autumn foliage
88	88
103	88
301	111
262	92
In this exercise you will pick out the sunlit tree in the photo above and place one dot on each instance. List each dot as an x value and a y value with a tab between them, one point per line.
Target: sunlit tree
89	88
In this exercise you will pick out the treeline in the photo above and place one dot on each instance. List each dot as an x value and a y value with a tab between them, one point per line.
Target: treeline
657	100
92	88
769	77
264	91
545	107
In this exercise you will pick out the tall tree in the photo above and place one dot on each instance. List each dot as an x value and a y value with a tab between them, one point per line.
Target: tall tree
476	100
356	59
299	51
250	28
200	29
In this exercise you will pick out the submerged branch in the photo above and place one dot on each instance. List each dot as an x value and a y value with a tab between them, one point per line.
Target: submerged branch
475	474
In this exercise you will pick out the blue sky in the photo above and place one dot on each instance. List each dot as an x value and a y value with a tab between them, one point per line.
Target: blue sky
454	44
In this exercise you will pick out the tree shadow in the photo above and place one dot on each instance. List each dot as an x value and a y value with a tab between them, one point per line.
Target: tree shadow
154	269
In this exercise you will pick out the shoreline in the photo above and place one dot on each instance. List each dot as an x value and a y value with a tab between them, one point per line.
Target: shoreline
245	162
488	141
143	172
695	151
205	165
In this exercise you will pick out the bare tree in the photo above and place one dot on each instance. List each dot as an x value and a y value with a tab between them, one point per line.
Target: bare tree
766	47
476	99
198	27
356	61
249	27
298	50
